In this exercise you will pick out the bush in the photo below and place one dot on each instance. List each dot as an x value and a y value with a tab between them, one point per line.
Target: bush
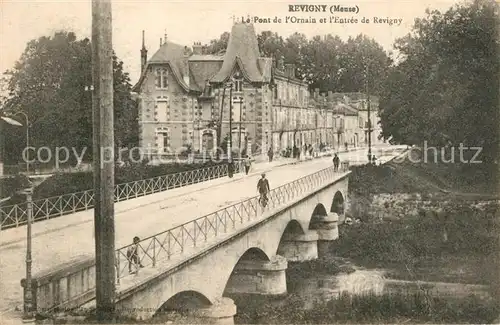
10	186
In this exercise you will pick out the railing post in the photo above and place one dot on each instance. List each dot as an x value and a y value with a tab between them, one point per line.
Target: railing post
206	229
195	224
182	239
154	251
169	244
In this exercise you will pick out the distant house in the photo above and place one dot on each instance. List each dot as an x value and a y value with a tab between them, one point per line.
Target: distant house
184	101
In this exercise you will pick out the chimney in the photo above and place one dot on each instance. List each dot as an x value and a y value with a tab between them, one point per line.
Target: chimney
161	42
185	65
197	48
144	54
165	39
290	70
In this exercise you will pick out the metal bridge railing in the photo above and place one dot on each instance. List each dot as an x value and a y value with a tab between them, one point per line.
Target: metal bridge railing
162	246
16	215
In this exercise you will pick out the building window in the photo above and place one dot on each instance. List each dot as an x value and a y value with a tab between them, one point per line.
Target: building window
238	85
162	140
162	110
161	78
237	107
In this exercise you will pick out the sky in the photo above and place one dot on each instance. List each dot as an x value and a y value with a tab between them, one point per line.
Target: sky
190	21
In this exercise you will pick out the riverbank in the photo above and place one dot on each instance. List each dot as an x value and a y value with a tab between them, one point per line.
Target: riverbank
424	249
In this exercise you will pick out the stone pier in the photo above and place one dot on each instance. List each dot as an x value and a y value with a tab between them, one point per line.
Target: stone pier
259	277
328	231
299	248
221	312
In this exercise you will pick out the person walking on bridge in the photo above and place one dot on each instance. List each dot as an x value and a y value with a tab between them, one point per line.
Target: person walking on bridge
248	163
133	255
263	188
336	162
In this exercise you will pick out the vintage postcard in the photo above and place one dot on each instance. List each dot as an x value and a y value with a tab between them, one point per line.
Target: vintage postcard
249	162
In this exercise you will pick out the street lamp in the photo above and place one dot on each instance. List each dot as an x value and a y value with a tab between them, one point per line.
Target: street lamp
16	123
28	316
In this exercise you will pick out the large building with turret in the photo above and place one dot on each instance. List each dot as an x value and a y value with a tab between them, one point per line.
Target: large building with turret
185	96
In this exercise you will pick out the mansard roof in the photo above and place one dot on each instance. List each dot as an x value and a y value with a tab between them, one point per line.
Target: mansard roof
242	53
171	54
242	50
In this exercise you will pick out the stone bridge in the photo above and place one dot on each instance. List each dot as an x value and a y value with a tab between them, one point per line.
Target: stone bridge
247	254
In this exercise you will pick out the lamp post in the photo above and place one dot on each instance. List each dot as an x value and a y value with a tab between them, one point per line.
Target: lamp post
28	316
16	123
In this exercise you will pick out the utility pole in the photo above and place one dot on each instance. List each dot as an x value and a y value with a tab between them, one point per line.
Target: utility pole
103	147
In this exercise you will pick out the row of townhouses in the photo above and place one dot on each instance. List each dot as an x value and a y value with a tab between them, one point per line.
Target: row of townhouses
185	97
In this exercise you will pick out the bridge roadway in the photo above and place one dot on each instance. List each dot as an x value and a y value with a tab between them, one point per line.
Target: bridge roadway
141	217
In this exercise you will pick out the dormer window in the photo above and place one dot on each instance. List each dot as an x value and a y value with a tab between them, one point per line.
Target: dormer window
161	78
238	82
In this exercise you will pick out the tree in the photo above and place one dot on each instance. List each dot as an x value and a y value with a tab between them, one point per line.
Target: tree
446	88
48	82
218	45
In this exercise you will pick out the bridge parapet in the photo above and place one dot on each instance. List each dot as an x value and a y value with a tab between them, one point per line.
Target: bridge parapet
65	286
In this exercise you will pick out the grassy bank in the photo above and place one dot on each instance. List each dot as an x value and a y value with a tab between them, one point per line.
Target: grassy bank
421	177
414	247
387	308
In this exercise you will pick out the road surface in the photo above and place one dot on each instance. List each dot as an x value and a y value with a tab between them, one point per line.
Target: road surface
153	214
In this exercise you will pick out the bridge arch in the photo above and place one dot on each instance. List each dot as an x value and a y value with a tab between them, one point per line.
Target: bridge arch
240	277
292	230
296	244
338	203
185	301
318	214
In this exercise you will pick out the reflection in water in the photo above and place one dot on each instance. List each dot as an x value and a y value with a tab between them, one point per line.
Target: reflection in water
321	288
